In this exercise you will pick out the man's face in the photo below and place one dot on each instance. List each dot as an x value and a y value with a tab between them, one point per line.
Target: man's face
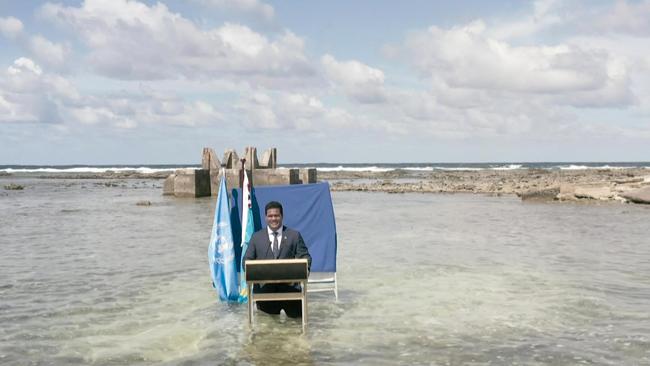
274	218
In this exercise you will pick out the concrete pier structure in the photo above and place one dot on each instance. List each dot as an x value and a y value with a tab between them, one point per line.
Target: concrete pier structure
209	160
192	183
205	181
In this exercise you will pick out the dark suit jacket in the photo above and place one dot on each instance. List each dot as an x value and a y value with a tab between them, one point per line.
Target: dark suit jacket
291	246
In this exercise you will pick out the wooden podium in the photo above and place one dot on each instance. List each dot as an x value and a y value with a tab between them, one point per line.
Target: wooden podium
277	271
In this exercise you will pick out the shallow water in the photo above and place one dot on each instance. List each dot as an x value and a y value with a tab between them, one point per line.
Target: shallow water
89	277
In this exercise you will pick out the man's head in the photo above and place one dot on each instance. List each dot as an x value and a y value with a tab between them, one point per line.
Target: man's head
274	213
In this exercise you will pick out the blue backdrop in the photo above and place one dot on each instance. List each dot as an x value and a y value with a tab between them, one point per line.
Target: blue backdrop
307	208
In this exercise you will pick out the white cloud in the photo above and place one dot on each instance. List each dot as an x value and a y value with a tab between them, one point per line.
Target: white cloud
448	113
22	89
282	111
24	64
359	81
48	52
25	77
466	57
544	16
130	40
41	49
499	79
132	110
255	7
299	112
625	17
293	112
11	27
29	94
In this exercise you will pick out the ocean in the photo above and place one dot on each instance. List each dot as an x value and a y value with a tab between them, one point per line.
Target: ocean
88	277
328	167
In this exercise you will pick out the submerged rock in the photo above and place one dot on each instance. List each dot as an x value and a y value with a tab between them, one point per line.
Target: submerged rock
14	187
567	193
547	194
594	191
641	195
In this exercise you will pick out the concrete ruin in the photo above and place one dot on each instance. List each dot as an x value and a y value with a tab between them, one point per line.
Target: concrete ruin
205	181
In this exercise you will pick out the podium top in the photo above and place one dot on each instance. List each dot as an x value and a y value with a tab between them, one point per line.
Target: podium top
277	270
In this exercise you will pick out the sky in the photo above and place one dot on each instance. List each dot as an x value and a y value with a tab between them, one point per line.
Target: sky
153	82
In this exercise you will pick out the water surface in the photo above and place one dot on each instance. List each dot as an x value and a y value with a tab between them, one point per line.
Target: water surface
89	277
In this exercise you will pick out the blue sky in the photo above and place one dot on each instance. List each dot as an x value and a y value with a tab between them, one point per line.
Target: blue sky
127	82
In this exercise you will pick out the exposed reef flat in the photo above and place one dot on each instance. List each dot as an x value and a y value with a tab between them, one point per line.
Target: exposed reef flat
529	184
585	185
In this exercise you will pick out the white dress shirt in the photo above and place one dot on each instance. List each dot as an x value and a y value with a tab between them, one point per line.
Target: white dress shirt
279	231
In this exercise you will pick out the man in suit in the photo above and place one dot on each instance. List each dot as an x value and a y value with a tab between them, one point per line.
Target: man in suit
277	241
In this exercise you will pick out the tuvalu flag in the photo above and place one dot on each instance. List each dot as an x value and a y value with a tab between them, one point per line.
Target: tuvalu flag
221	251
246	233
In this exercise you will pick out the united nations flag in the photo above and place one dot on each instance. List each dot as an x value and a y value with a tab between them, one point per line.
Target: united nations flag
221	251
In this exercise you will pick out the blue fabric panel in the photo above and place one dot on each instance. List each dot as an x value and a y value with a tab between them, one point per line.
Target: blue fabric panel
307	208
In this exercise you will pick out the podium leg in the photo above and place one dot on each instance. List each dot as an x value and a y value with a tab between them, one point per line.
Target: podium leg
304	305
250	305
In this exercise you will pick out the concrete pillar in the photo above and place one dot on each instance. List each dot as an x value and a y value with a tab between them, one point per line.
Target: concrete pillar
232	180
192	183
168	185
308	175
230	159
269	159
209	160
250	154
215	180
265	177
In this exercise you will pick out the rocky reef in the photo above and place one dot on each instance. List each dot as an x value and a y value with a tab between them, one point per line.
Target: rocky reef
14	187
625	185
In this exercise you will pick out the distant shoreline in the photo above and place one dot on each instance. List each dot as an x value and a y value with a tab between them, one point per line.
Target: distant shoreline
530	184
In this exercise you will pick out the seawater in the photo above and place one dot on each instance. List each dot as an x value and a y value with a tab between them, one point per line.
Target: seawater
89	277
22	170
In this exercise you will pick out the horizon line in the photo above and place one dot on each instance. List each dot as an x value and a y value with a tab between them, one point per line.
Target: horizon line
340	163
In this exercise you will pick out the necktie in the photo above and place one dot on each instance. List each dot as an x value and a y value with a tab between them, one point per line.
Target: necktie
275	244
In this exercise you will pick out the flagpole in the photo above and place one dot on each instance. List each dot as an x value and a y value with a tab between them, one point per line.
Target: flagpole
241	172
246	232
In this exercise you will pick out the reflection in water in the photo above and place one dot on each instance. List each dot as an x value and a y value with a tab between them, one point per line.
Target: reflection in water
89	277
